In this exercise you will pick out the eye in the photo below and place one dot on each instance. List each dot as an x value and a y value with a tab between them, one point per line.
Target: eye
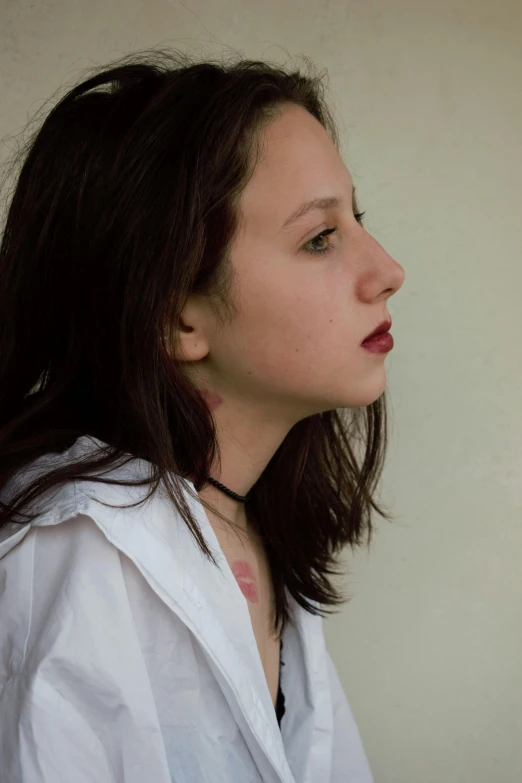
314	251
308	247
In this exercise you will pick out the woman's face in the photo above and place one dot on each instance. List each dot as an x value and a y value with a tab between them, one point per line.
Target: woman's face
295	349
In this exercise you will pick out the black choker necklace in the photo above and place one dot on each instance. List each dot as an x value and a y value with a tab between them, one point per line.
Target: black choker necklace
227	491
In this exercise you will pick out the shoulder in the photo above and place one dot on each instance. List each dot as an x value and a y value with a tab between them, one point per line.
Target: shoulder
72	672
52	576
75	615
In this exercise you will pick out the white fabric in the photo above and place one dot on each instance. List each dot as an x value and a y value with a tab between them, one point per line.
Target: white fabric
127	657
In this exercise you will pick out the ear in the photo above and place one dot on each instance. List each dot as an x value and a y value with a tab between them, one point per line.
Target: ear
191	343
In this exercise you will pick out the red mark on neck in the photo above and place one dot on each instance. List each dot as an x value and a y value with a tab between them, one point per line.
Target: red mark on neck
246	580
212	398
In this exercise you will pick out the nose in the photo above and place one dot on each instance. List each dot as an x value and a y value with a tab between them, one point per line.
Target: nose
387	271
397	274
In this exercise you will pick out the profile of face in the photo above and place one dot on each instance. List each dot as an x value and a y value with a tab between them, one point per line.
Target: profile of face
295	348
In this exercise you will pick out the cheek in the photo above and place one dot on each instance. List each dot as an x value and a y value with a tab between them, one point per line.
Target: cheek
290	330
287	306
288	350
294	321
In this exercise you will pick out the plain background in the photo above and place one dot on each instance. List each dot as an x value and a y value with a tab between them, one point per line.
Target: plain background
428	96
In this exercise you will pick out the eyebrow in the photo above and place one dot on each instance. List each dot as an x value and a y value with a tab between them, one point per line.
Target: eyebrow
316	204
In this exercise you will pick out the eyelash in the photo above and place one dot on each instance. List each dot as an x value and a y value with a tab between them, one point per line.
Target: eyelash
358	216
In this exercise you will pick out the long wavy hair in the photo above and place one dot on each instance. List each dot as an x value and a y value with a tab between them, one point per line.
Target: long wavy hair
125	202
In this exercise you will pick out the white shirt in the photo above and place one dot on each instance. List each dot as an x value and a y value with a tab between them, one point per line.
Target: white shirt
127	657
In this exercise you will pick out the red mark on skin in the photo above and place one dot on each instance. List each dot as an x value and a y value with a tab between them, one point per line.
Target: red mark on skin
246	580
212	398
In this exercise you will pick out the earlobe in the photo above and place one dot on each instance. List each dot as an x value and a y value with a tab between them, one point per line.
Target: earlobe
191	346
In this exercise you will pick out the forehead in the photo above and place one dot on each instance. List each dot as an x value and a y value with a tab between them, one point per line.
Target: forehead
298	162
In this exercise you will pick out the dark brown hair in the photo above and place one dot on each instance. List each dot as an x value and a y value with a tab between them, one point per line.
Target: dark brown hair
126	202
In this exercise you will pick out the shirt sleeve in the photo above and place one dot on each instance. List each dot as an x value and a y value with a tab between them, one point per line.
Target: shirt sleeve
349	762
75	703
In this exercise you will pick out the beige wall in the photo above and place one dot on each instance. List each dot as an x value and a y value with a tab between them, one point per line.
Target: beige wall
429	99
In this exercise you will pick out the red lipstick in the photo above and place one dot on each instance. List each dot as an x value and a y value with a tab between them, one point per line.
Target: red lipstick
379	341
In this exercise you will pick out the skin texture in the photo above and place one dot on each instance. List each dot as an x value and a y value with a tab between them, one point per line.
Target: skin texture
295	348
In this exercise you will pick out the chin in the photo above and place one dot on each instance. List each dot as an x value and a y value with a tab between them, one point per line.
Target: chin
365	394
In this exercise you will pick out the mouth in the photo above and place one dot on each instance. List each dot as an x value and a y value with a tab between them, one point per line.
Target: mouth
383	327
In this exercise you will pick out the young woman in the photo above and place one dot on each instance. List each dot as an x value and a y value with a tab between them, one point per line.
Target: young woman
192	427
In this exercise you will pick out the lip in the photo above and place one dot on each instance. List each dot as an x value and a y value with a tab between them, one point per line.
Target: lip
379	343
383	327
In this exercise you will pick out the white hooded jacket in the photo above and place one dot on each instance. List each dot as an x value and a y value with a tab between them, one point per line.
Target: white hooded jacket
127	657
